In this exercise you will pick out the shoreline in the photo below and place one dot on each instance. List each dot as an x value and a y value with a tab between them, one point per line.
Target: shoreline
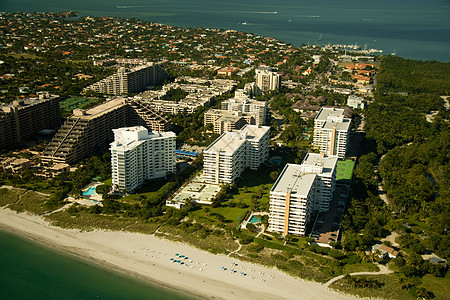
147	258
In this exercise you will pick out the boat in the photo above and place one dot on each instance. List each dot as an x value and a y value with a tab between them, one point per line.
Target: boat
244	23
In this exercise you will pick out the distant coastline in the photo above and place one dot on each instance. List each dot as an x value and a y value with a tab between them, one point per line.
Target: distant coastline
393	27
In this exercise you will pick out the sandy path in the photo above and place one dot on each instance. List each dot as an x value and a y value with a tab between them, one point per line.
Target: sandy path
148	257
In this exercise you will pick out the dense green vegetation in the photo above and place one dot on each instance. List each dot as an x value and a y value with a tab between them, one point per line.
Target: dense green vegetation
410	144
412	76
46	73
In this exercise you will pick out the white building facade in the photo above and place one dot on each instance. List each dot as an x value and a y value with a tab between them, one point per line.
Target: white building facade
138	155
291	201
266	79
356	102
331	131
299	190
325	169
231	153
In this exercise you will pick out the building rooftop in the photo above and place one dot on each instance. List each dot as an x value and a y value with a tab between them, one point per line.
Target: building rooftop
99	110
129	137
229	142
327	113
326	163
253	132
341	126
293	179
27	102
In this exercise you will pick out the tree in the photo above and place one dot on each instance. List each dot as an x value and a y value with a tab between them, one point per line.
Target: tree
251	227
423	293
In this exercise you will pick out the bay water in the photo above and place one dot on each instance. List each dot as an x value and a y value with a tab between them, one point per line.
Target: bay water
30	271
414	29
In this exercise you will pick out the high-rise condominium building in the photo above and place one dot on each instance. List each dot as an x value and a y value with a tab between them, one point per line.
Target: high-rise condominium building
23	119
266	79
230	154
331	131
237	112
325	168
138	155
291	201
299	190
130	80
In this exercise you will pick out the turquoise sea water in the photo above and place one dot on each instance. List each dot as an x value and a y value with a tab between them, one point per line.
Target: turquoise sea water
30	271
412	28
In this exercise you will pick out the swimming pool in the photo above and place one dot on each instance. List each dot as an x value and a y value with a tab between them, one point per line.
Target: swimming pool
90	191
255	219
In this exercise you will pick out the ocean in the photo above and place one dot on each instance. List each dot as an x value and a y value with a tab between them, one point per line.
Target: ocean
413	29
31	271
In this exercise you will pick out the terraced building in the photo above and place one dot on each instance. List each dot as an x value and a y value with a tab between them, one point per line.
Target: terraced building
89	130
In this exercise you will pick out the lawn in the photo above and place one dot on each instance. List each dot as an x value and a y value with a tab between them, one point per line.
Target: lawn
344	169
231	214
75	102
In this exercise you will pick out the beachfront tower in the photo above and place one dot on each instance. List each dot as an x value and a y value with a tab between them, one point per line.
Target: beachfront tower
138	155
231	153
291	201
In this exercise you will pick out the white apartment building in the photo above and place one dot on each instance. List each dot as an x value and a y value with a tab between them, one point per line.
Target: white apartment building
291	201
266	79
231	153
138	155
299	190
325	168
130	80
331	131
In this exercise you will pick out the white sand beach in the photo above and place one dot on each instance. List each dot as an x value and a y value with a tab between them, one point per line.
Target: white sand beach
148	257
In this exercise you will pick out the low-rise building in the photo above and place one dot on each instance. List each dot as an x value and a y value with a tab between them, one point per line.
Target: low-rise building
224	121
356	102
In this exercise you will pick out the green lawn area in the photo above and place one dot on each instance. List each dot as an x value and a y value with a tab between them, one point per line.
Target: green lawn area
231	214
252	182
344	169
75	102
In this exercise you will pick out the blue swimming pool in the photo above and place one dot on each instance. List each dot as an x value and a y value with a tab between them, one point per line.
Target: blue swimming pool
90	191
255	219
